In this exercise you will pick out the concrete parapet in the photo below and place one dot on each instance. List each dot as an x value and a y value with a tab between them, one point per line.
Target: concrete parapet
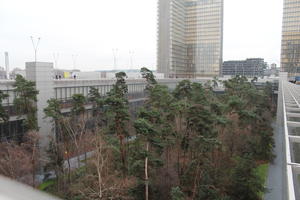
283	76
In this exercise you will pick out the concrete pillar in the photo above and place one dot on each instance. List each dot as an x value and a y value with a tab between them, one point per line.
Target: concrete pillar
42	74
7	65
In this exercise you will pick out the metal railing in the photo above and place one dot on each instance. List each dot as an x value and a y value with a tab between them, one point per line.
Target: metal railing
291	121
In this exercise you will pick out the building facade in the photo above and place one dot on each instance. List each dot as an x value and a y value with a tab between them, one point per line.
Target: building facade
290	44
190	37
273	66
63	89
253	67
3	74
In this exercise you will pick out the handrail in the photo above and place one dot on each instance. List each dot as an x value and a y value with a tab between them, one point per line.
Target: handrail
289	167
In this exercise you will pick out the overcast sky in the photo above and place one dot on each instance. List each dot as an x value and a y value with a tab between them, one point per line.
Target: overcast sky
90	29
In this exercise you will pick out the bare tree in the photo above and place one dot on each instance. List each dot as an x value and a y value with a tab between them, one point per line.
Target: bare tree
15	162
31	145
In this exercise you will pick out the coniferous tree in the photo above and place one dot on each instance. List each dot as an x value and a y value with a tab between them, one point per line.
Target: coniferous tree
118	114
177	194
98	103
246	183
189	143
25	101
3	114
58	143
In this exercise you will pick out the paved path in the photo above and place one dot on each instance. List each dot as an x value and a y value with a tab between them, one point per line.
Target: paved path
275	182
275	175
73	165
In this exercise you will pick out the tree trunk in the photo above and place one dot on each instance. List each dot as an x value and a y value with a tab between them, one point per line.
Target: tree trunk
33	165
167	166
99	163
33	172
146	174
122	151
195	182
69	165
178	160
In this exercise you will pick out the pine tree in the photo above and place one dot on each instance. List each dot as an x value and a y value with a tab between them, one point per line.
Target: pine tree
246	183
3	114
25	101
118	114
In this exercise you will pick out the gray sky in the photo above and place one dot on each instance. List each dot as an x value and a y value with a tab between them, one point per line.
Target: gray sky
92	28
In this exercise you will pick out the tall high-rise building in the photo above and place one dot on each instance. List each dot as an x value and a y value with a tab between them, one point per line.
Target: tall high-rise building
290	44
190	37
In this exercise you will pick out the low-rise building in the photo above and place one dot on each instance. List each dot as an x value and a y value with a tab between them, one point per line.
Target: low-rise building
17	71
62	89
252	67
2	73
272	70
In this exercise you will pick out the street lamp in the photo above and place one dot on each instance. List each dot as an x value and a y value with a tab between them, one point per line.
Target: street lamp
131	59
35	46
74	57
56	57
115	51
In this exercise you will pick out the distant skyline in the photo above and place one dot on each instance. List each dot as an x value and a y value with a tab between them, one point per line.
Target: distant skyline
90	29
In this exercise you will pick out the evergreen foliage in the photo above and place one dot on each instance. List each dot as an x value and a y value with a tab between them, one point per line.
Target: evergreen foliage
3	114
118	114
25	101
189	143
177	194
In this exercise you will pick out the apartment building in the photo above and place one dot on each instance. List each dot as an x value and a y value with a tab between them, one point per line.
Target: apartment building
251	67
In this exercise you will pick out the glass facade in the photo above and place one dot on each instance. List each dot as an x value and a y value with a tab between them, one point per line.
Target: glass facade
253	67
190	38
290	44
177	36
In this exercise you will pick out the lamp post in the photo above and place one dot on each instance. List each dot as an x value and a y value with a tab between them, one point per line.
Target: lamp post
74	57
56	57
115	51
131	59
35	46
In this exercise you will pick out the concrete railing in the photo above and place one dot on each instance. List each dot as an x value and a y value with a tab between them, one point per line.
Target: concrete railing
11	190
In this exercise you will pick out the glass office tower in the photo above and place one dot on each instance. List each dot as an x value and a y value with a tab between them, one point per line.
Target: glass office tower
190	37
290	44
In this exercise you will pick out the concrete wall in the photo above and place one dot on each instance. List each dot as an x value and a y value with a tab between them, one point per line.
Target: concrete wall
41	73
